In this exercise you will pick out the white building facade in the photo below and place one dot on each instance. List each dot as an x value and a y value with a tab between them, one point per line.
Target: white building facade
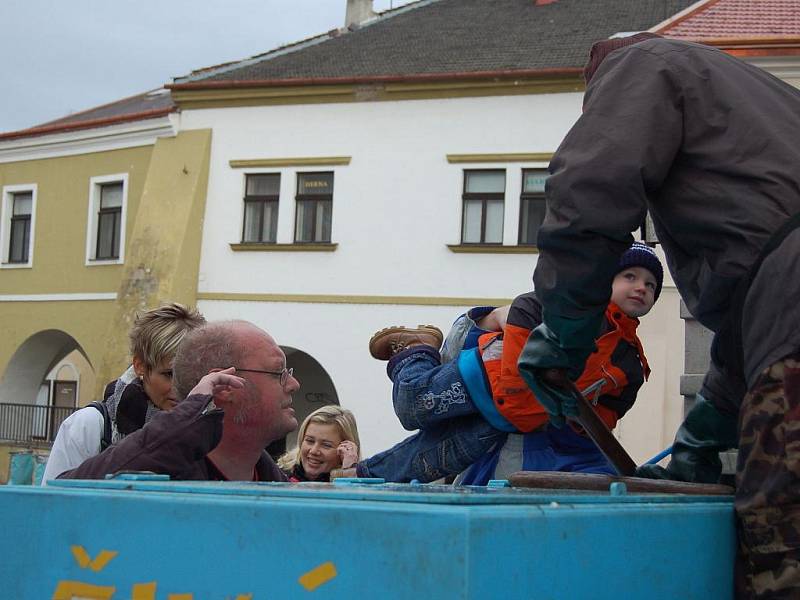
408	183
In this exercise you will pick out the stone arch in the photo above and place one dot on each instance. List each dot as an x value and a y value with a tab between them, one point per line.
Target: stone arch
31	363
67	367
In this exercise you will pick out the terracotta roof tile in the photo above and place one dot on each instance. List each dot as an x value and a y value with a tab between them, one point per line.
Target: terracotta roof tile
742	19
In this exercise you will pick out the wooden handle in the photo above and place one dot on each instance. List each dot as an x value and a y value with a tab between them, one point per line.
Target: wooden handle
600	434
551	480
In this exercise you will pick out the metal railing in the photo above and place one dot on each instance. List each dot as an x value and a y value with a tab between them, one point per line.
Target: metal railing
30	423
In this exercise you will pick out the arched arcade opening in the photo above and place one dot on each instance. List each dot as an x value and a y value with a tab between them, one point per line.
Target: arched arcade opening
38	390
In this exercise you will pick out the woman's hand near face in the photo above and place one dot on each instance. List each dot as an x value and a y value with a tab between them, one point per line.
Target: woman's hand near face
348	453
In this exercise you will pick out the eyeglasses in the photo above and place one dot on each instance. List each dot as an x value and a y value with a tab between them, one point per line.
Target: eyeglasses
283	375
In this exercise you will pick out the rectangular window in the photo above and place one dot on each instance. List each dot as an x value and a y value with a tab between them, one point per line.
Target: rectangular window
531	205
484	196
314	207
105	232
17	225
261	208
109	221
20	230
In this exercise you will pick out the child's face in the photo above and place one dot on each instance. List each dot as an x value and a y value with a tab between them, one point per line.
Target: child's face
633	290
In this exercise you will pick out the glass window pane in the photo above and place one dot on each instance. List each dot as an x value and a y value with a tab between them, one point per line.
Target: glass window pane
533	181
18	250
494	222
531	216
22	204
315	183
105	235
478	182
303	231
269	231
252	213
264	185
471	233
117	226
111	195
323	224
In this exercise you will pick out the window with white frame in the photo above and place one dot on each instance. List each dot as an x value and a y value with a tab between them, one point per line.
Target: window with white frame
105	241
314	207
16	233
262	192
484	199
109	220
531	205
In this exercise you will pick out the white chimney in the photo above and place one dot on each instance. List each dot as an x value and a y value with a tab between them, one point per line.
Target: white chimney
358	11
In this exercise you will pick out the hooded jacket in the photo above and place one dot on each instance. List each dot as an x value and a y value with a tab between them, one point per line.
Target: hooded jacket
708	144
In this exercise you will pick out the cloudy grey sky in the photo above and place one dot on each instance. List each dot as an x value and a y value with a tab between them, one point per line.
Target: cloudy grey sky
63	56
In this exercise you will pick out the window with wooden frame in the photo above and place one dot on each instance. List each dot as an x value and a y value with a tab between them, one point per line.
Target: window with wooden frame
483	206
262	192
109	221
20	227
531	205
314	208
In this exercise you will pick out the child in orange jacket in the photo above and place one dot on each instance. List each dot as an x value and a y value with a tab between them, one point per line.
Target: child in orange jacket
465	407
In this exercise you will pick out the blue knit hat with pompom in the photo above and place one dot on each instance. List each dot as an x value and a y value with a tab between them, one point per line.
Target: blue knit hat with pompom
642	255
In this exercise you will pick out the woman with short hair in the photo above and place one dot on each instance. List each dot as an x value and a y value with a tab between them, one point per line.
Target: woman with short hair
130	401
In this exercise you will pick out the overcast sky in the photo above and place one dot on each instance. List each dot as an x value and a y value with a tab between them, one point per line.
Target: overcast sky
64	56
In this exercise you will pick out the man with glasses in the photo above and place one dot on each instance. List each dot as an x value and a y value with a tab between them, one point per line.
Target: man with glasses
235	398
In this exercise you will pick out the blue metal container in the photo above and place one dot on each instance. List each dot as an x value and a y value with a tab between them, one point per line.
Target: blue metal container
148	540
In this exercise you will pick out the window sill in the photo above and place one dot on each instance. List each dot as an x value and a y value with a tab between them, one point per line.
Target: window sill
491	249
297	247
16	265
101	262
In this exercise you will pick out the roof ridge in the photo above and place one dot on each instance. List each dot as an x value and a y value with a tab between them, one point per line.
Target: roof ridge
199	74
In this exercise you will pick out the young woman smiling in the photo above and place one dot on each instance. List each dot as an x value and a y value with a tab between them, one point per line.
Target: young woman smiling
326	440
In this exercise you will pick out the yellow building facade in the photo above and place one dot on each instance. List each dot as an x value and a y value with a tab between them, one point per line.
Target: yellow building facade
58	293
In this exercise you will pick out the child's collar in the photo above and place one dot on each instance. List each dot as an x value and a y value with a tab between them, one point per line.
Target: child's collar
627	324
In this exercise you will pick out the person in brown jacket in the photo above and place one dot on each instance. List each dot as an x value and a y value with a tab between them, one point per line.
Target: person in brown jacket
235	398
708	145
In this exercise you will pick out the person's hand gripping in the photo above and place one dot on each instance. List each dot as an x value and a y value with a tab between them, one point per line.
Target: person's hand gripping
544	365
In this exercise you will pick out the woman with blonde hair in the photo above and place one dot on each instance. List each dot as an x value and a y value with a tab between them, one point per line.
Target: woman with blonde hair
130	401
326	440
